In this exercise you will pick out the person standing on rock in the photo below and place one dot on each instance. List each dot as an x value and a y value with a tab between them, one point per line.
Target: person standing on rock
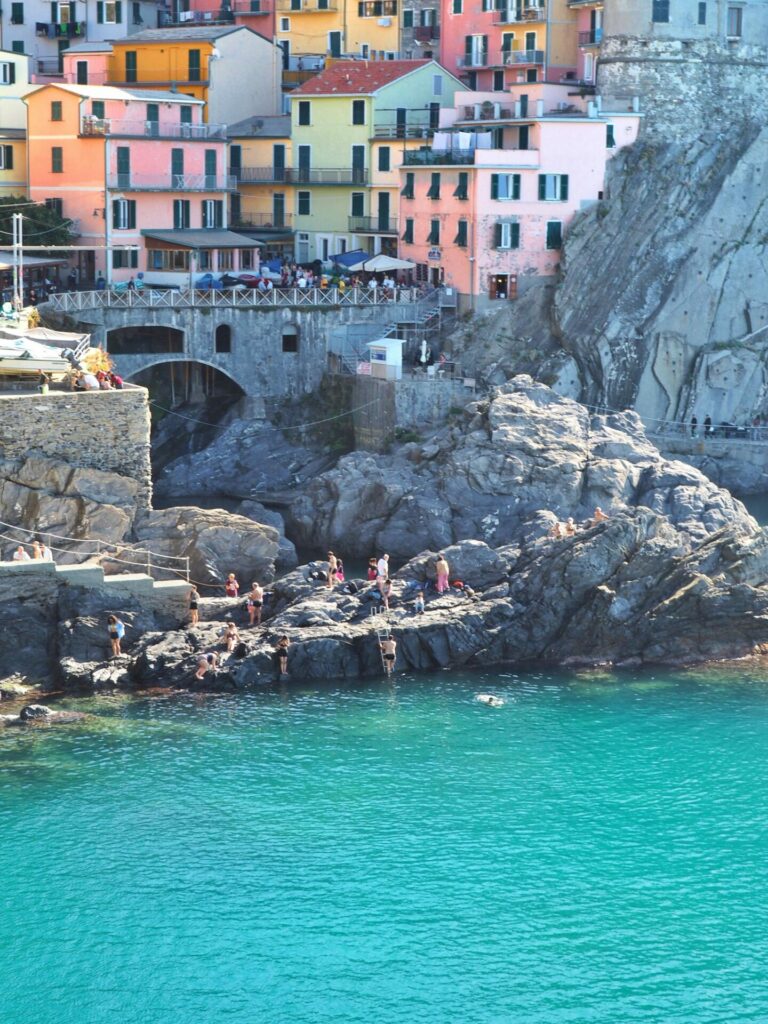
441	571
254	604
194	606
332	566
388	649
382	570
708	431
386	592
694	426
231	587
116	630
281	655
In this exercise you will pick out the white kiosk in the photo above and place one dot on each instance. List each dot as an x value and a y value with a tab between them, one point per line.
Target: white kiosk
386	355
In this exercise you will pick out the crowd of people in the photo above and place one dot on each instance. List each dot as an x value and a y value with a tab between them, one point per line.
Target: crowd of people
102	380
40	553
569	527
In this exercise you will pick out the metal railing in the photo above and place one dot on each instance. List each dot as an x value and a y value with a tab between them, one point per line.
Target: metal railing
373	225
90	77
305	6
302	175
263	220
427	157
591	38
171	182
518	12
417	129
523	57
151	129
426	33
239	298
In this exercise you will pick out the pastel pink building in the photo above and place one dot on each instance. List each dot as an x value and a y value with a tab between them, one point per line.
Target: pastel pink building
589	25
487	206
258	15
137	169
493	44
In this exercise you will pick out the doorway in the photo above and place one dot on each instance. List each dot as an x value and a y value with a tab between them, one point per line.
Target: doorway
498	286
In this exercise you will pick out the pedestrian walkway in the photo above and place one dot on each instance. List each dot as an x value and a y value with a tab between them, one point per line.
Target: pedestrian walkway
91	574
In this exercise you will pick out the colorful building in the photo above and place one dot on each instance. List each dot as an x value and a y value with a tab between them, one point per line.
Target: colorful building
485	208
494	45
350	126
589	27
234	70
364	28
260	161
420	30
135	168
14	82
258	15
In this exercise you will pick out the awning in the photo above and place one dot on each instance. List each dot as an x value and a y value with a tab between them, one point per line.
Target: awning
29	262
381	263
347	259
202	238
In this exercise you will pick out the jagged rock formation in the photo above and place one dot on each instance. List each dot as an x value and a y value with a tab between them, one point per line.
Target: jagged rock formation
524	450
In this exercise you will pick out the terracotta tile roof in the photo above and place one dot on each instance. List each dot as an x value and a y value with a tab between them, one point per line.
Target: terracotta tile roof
356	77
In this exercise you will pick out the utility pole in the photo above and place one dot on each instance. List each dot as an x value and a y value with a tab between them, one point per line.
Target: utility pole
18	261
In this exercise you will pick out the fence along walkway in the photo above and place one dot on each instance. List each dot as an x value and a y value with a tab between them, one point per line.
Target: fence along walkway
235	298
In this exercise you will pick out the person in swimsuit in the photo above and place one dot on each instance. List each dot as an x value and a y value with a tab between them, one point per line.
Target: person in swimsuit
332	566
231	636
386	592
194	604
281	655
388	653
441	571
372	570
205	663
254	604
231	587
116	630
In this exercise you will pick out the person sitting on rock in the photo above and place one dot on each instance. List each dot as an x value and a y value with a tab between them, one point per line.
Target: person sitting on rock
418	604
37	551
599	516
21	555
570	527
116	629
205	663
556	531
231	636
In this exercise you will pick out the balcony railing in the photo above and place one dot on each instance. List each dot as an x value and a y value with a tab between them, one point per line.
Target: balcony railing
373	225
427	157
151	129
305	6
55	30
426	33
517	13
171	182
522	56
501	58
302	175
419	128
263	220
473	60
591	38
91	78
48	66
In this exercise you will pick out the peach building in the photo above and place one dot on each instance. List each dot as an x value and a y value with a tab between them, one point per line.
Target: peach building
135	169
589	27
488	204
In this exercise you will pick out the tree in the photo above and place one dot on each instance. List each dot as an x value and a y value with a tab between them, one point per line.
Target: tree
42	224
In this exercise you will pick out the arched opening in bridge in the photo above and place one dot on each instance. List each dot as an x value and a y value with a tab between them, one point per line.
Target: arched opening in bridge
188	401
223	341
139	341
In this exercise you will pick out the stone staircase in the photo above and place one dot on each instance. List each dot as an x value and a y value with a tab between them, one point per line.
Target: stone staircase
91	574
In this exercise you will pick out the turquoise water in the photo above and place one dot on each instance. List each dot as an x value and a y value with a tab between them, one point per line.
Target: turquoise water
594	851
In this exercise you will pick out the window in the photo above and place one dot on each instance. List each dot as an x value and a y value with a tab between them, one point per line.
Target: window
290	339
434	232
358	204
376	8
123	214
181	214
408	233
437	85
461	190
408	18
610	137
210	168
205	259
193	68
226	259
285	24
56	110
433	192
223	338
553	187
109	12
212	213
304	207
177	168
358	111
57	205
427	17
498	81
7	73
507	186
304	111
365	51
57	160
136	17
125	259
506	235
6	158
488	5
295	5
554	234
660	11
461	235
457	6
130	66
185	115
246	259
702	14
735	16
17	46
385	163
168	259
407	191
17	14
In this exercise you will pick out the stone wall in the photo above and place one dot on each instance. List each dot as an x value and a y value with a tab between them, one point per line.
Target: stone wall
100	430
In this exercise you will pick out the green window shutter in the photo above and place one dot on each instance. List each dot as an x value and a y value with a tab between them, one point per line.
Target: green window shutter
119	12
177	162
131	213
542	186
515	186
384	160
494	186
407	192
554	234
8	158
57	160
408	19
496	236
434	188
563	186
515	241
100	12
97	109
11	73
115	212
186	115
610	137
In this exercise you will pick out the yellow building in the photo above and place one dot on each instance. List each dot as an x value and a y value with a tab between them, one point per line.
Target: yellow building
362	28
14	82
260	158
233	69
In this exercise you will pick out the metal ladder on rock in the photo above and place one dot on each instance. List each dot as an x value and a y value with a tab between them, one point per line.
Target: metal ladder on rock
379	616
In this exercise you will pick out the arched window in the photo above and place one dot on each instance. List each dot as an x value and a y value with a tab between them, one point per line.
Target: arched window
223	338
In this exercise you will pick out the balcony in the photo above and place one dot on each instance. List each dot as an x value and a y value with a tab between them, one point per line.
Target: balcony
473	60
225	16
519	13
91	78
488	112
591	38
418	128
151	129
48	67
56	30
430	157
168	182
301	175
522	56
426	33
373	225
264	221
305	6
261	175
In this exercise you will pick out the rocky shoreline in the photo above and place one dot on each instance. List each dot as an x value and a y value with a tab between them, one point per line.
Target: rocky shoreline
676	574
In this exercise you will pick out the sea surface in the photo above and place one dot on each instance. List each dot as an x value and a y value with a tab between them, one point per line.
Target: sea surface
596	850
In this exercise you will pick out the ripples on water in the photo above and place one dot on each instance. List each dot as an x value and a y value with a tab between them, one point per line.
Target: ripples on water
594	851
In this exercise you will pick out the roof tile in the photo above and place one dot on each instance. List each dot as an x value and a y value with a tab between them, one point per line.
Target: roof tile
356	77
